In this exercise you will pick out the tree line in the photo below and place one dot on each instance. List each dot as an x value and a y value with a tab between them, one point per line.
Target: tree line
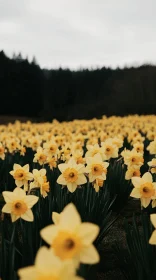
27	90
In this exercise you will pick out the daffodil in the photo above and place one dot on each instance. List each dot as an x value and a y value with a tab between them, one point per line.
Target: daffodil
96	168
132	158
2	151
152	147
70	239
144	188
39	176
72	175
48	267
98	183
40	181
50	148
40	156
93	150
19	205
21	175
52	162
152	165
132	172
109	150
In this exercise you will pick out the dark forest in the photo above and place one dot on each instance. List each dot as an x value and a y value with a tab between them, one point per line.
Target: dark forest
27	90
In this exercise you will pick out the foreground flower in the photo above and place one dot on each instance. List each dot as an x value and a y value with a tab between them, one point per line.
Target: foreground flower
72	175
19	205
69	238
48	267
21	175
153	236
144	188
56	218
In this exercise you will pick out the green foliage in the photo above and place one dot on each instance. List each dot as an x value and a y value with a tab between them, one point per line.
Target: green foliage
117	185
137	261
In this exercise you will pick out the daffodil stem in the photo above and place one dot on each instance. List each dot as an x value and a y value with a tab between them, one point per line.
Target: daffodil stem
12	253
13	233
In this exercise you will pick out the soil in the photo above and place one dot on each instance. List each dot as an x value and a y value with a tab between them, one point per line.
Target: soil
109	266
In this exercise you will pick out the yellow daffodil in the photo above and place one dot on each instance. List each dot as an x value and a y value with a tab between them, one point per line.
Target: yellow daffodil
72	175
50	148
152	165
98	183
39	176
21	175
144	188
92	150
109	150
132	172
40	181
40	156
132	158
2	151
152	147
70	239
96	168
48	267
19	205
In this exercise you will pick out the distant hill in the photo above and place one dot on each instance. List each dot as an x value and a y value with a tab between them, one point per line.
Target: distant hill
29	91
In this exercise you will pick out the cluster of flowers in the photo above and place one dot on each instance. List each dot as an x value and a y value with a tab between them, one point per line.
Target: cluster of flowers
70	240
82	151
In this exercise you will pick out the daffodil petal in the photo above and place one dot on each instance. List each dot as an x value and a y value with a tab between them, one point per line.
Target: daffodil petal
71	187
50	263
62	167
19	192
147	177
31	200
26	167
49	233
7	208
152	240
135	193
136	181
89	255
28	273
81	179
153	219
61	180
70	218
88	232
28	216
16	166
145	201
8	196
55	218
14	217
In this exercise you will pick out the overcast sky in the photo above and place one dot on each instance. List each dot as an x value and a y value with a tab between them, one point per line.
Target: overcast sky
80	33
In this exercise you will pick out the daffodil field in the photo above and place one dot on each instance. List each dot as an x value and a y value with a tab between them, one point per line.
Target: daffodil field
63	186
